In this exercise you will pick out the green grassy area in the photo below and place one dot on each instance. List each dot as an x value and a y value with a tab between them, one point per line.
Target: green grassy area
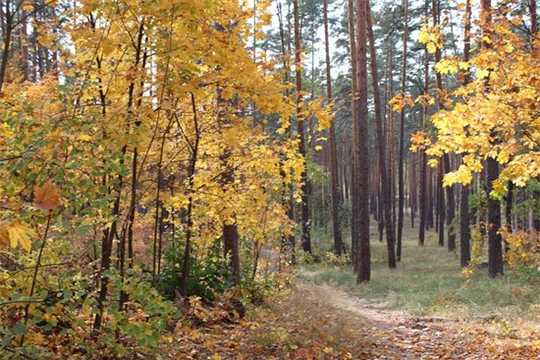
428	282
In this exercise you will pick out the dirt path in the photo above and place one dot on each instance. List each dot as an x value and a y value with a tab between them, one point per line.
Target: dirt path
392	334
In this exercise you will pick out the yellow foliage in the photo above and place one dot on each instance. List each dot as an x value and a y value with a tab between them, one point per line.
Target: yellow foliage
524	250
15	233
496	114
477	254
399	102
431	36
448	66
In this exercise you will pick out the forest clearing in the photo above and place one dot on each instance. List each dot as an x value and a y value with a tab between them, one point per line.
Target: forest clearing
258	179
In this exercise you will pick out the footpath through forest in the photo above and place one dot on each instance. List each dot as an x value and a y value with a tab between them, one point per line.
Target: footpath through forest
390	334
310	321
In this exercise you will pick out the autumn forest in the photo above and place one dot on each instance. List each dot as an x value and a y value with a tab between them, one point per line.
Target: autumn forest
171	169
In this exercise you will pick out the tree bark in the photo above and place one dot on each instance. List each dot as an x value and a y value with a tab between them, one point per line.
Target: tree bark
7	26
401	160
334	184
422	168
495	253
385	192
450	206
306	223
361	178
464	223
440	203
355	111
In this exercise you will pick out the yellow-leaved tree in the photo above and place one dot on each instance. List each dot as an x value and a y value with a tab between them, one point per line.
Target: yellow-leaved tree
494	118
152	125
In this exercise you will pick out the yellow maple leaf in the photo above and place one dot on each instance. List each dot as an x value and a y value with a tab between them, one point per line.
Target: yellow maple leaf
47	197
20	234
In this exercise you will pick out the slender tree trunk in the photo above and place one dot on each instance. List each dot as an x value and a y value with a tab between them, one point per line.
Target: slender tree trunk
194	147
401	161
412	188
508	208
111	231
231	250
533	13
7	26
450	206
286	80
24	46
440	203
383	174
361	177
495	253
464	223
465	231
126	240
423	171
230	236
306	223
334	185
355	112
446	205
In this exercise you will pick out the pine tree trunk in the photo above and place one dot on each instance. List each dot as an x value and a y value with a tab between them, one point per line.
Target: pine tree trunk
355	111
306	223
334	184
361	175
383	175
401	161
423	173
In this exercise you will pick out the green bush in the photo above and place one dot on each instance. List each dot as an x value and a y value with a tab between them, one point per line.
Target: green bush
209	273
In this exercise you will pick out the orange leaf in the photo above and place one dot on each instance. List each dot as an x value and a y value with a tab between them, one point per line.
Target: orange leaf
47	197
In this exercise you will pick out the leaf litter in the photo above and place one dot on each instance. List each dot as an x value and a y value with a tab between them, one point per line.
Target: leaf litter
310	321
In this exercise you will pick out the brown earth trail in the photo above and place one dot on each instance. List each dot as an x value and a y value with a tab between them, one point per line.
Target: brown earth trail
390	334
310	321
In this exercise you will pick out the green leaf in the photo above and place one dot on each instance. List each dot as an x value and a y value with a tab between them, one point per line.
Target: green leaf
19	329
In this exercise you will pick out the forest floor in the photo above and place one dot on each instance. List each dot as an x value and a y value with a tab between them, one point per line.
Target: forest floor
424	309
393	334
322	321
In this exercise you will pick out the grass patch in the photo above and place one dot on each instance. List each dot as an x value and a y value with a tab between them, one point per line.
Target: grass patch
428	282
